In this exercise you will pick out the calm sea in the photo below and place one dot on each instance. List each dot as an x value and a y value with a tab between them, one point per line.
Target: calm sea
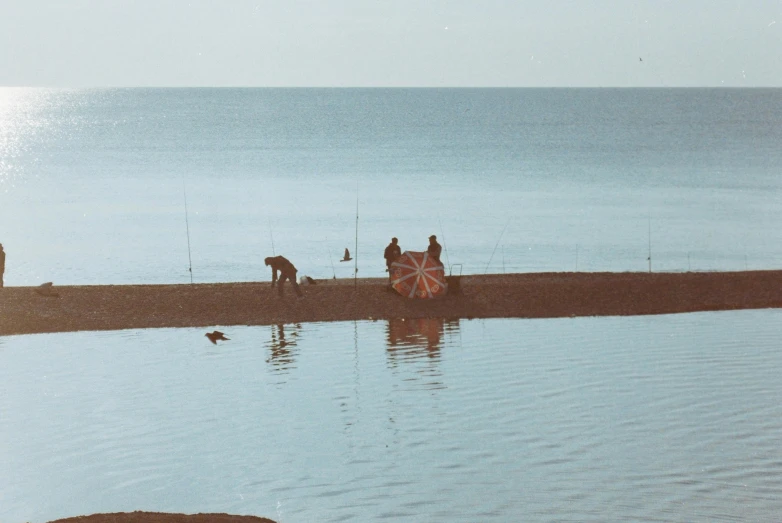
649	418
660	418
103	186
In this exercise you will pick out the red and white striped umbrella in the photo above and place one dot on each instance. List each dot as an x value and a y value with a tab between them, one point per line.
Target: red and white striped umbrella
418	275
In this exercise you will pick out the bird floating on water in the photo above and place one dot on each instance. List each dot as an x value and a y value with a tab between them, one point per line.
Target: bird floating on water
347	256
216	335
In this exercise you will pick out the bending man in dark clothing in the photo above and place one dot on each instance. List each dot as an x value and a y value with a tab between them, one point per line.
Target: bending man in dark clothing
287	272
434	249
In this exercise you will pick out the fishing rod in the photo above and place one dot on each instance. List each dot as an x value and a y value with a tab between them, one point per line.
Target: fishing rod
332	264
187	229
355	255
271	235
495	247
650	243
445	247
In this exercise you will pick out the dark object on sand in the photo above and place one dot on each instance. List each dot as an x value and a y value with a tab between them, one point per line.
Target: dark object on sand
454	281
216	335
346	257
311	281
45	289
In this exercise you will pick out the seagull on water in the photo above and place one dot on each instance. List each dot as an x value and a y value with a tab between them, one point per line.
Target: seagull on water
216	335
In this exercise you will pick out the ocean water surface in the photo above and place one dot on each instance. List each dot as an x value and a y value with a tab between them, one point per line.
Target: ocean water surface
94	183
665	418
655	418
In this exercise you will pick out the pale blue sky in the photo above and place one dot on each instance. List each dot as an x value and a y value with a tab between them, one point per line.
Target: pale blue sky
435	43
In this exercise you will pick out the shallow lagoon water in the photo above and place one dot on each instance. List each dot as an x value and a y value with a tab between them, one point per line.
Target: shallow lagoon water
653	418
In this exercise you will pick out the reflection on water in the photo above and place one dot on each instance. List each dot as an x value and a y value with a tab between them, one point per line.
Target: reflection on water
675	418
283	349
418	337
418	340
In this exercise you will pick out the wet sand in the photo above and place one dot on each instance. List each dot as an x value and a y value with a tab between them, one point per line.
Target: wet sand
535	295
162	517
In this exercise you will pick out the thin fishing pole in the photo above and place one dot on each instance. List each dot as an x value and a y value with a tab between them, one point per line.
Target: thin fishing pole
445	246
271	235
355	252
187	228
332	264
495	247
650	243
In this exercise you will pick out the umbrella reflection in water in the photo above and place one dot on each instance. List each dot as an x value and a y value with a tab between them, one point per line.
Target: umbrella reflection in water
417	341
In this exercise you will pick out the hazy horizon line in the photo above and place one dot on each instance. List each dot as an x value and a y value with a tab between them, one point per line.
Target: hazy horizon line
388	87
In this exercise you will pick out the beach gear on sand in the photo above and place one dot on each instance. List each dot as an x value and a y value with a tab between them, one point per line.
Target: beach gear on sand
45	289
418	275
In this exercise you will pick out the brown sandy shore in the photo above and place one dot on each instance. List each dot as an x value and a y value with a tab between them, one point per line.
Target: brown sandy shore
536	295
162	517
545	295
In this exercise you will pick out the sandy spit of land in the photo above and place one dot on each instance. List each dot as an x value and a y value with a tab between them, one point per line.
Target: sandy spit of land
536	295
162	517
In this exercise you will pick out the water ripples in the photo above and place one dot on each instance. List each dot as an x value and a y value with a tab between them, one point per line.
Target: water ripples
668	418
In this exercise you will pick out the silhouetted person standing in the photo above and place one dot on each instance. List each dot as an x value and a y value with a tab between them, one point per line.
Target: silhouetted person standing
434	249
287	272
391	254
2	264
